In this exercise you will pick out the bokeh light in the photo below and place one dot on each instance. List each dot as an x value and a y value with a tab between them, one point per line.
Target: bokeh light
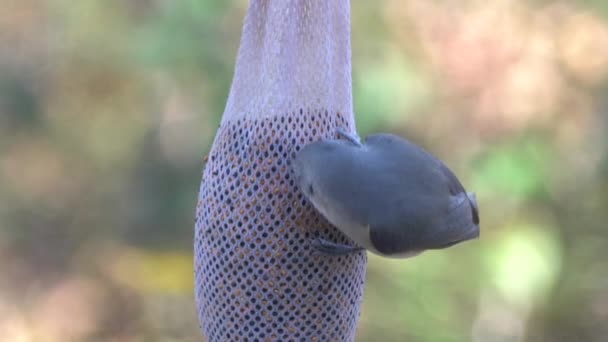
107	109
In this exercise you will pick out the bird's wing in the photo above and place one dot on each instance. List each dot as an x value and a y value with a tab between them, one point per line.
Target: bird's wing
426	228
404	225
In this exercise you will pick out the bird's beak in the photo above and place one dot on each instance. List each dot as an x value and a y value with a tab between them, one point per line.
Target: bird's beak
472	198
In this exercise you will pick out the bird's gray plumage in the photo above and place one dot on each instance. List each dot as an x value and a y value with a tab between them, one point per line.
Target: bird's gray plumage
387	194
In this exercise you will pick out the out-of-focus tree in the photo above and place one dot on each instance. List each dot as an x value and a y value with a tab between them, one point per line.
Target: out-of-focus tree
108	107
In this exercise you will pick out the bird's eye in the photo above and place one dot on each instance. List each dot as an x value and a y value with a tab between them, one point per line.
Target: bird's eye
310	189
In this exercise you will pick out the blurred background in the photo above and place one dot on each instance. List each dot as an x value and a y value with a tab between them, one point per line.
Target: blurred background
108	107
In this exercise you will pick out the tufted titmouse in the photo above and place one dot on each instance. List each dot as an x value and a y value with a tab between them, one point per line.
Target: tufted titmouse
388	195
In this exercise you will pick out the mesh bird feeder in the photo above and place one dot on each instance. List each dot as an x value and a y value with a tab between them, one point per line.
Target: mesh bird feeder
258	277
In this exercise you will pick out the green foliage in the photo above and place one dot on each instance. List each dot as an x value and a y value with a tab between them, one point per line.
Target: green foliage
518	169
386	92
107	109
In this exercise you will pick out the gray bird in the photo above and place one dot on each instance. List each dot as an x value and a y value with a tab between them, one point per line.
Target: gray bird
388	195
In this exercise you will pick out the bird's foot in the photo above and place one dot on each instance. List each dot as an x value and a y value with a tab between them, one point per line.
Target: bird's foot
353	138
326	247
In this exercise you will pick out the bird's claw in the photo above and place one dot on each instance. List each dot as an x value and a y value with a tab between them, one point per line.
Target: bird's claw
327	247
353	138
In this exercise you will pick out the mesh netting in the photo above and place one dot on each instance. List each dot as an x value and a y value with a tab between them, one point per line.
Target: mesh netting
257	277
